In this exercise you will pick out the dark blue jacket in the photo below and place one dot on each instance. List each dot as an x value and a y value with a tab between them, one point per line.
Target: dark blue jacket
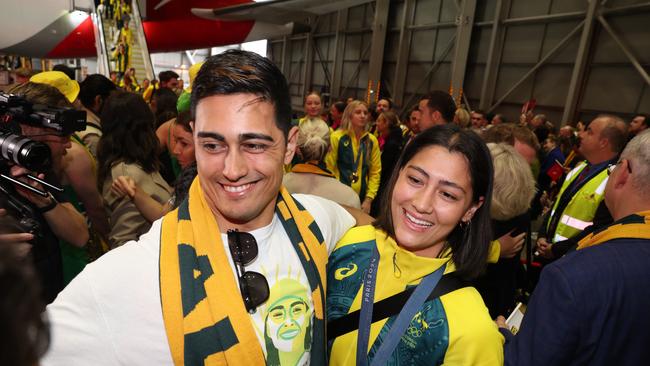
591	307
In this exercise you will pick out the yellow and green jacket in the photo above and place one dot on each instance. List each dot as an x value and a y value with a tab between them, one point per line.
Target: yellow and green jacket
581	208
340	161
454	329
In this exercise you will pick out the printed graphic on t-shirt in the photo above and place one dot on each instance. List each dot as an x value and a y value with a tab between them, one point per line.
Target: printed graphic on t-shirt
286	318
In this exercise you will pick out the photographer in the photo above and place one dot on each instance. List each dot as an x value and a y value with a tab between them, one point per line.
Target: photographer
55	218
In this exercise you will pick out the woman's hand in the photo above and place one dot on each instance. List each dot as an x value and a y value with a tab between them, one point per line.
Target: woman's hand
511	245
124	186
366	205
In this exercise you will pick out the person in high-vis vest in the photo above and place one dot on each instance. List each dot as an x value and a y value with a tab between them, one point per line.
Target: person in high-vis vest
579	204
355	158
591	306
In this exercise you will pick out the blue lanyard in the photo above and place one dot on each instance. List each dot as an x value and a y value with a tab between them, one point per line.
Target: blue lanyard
415	302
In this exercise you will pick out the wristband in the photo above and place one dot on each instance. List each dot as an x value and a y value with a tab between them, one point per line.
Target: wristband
50	206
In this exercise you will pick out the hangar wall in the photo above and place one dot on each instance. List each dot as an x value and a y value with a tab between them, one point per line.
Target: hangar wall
577	58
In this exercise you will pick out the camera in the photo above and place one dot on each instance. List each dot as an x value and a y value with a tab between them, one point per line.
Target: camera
63	120
20	150
16	149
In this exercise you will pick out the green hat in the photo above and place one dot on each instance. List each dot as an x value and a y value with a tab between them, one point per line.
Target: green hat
183	103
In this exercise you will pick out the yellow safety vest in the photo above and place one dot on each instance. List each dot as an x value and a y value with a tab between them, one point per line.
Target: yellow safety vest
580	211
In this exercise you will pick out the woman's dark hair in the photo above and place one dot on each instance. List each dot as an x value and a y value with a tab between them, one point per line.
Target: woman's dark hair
469	245
235	71
184	118
128	135
340	106
165	105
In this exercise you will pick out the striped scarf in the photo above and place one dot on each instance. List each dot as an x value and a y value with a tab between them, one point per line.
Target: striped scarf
313	167
636	226
203	311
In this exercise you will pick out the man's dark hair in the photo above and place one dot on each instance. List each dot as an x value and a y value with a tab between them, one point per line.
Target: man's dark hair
93	86
391	104
469	245
442	102
236	71
165	101
64	69
646	121
165	76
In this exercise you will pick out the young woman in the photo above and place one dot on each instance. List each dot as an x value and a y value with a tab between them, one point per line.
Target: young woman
390	142
313	107
355	158
436	218
128	147
183	151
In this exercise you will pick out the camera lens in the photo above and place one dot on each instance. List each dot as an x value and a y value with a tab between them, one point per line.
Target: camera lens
20	150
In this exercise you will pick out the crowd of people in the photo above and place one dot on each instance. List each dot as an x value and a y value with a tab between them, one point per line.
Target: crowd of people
215	226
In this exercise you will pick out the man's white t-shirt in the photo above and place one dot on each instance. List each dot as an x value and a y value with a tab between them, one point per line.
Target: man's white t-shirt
111	313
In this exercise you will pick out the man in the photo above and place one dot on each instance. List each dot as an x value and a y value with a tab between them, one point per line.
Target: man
167	79
539	127
113	76
22	75
479	122
579	203
77	171
202	285
414	121
498	119
94	91
591	307
384	105
55	216
638	124
65	69
435	109
522	139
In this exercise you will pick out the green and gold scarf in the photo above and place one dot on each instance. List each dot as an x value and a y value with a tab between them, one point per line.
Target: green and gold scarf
204	314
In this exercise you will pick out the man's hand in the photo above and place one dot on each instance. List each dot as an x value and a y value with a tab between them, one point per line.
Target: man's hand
544	248
501	322
511	245
18	172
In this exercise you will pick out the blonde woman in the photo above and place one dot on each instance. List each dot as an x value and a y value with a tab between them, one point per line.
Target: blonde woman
355	158
462	117
514	189
312	176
